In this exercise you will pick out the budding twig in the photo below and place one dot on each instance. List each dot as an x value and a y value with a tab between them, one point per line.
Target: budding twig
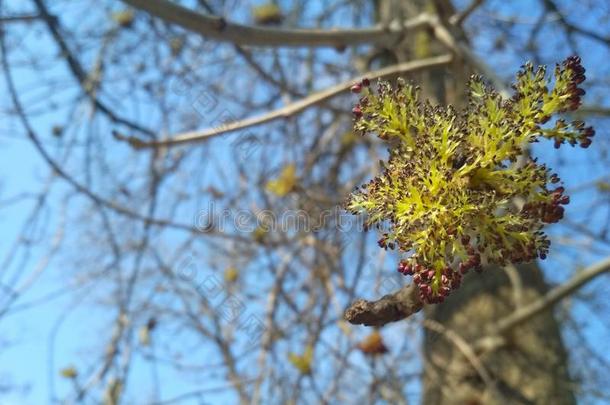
389	308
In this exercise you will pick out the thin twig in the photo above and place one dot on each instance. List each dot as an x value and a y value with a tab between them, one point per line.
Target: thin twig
79	73
448	39
56	167
460	17
467	351
290	109
572	28
19	18
552	297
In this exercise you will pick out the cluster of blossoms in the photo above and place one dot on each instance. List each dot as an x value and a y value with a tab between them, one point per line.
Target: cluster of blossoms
451	196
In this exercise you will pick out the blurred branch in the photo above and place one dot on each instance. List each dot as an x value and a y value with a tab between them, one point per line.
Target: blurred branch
461	49
250	60
441	32
552	297
389	308
58	170
200	393
290	109
222	30
79	72
515	280
598	237
572	28
467	351
460	17
593	110
19	18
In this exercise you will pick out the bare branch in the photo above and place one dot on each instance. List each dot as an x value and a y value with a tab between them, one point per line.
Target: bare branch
572	28
56	167
220	29
460	17
405	302
389	308
552	297
19	18
593	110
290	109
463	50
79	72
467	351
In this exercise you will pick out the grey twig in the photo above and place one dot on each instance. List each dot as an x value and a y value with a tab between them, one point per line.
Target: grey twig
389	308
220	29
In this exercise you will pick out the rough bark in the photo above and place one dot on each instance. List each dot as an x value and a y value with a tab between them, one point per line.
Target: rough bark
529	367
389	308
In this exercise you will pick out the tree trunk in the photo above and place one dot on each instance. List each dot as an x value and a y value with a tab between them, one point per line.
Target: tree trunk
531	366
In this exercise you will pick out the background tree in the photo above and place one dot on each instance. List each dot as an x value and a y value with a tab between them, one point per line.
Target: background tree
196	159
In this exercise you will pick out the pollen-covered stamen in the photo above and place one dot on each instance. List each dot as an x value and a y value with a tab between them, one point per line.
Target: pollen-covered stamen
575	73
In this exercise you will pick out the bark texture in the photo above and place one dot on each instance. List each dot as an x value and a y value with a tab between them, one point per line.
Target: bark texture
530	367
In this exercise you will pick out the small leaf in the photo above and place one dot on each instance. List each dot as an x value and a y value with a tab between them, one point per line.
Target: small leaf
124	18
373	344
231	274
284	183
267	14
176	45
302	362
144	335
259	234
69	372
603	186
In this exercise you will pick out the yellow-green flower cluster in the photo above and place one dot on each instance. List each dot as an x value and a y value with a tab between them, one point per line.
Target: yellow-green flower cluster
451	196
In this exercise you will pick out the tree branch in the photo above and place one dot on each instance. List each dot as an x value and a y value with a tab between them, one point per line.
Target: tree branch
405	302
460	17
552	297
592	110
79	72
461	49
389	308
467	351
19	18
57	169
288	110
572	28
220	29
